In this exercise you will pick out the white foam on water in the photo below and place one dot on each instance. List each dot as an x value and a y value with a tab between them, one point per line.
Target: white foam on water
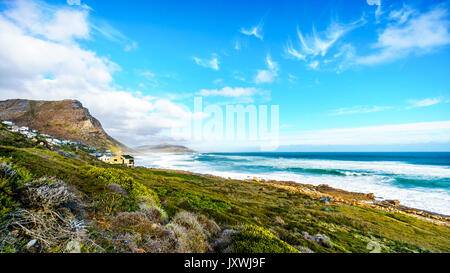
362	176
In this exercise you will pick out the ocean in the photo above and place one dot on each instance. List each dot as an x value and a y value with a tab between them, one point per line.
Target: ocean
418	180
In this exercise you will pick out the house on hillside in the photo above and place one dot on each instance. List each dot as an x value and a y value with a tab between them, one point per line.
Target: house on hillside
7	123
105	158
24	130
126	160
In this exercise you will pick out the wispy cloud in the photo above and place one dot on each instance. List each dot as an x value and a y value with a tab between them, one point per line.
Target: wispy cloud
378	11
411	32
230	92
218	81
114	35
360	109
292	78
150	77
409	133
212	63
291	51
256	31
237	45
267	75
130	47
425	102
78	3
315	46
401	15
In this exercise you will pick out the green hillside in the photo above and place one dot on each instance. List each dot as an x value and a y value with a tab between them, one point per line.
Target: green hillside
66	201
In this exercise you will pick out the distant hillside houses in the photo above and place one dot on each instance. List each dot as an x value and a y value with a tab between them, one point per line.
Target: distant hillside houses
51	141
35	136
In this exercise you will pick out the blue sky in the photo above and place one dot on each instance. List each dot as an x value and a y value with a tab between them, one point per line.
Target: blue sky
337	69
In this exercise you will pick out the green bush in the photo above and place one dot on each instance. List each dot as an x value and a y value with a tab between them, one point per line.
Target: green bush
255	239
12	177
115	176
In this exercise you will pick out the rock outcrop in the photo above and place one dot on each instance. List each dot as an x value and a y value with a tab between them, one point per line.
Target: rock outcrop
66	119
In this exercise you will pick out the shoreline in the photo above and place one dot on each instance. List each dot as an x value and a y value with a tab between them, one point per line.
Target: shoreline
334	196
401	183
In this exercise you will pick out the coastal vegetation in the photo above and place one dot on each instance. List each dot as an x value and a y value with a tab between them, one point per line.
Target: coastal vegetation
72	202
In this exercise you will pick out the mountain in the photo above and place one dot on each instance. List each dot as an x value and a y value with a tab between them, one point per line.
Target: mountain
163	148
66	120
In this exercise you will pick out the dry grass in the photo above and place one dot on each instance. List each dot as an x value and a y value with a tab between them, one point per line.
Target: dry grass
145	231
50	218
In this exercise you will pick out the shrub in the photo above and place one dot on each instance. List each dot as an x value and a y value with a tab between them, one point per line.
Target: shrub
142	232
111	203
255	239
51	215
12	177
115	176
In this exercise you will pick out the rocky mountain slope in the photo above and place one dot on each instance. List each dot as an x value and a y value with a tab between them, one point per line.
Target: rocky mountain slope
66	119
163	148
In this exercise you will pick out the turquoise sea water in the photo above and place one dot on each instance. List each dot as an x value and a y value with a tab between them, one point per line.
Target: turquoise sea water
419	180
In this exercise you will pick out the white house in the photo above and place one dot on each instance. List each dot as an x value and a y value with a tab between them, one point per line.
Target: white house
105	158
24	130
7	123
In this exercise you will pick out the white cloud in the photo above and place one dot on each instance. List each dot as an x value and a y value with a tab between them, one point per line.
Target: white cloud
130	47
415	33
111	33
38	61
313	64
218	81
254	31
291	51
237	45
78	3
212	63
401	15
410	133
374	2
265	76
377	3
292	78
360	109
268	75
231	92
150	77
317	44
65	25
425	102
313	48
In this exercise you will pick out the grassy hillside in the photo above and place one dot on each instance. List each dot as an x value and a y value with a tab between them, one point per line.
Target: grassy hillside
107	208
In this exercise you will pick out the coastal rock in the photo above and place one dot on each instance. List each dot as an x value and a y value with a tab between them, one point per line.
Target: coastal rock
370	195
322	240
117	189
393	202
